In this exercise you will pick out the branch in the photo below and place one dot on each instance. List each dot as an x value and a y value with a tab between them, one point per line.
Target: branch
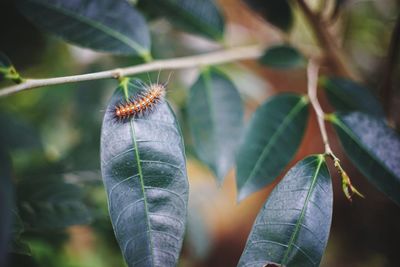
327	42
312	76
213	58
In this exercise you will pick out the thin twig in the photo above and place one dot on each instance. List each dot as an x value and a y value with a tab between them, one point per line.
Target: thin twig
312	76
327	42
213	58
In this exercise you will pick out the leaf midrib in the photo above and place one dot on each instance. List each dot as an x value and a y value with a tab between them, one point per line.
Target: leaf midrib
105	29
302	214
301	103
139	165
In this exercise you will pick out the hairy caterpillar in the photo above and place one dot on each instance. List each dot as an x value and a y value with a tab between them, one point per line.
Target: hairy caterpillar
143	102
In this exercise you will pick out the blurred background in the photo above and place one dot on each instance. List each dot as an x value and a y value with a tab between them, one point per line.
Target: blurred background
52	136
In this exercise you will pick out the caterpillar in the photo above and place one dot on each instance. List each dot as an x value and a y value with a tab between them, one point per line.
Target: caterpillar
142	103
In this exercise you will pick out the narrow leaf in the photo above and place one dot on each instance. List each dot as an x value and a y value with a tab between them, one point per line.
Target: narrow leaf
276	12
109	25
373	147
272	139
54	204
346	95
196	16
215	115
144	172
292	228
282	57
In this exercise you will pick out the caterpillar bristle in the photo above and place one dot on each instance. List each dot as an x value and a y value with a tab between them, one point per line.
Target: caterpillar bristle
141	104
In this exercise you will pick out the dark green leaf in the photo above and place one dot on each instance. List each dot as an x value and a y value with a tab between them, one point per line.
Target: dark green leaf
7	70
6	202
16	133
292	228
373	147
196	16
274	134
276	12
53	204
17	245
282	57
109	25
215	117
144	172
346	95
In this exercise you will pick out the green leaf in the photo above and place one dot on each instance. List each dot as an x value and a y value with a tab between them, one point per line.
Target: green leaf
373	147
276	12
144	171
53	204
346	95
7	70
282	57
109	25
292	228
201	17
6	202
17	133
272	139
17	245
215	115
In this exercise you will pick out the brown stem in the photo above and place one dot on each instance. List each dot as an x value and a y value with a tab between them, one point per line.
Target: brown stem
327	42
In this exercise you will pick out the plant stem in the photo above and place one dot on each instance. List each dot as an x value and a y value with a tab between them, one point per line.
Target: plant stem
327	42
213	58
312	76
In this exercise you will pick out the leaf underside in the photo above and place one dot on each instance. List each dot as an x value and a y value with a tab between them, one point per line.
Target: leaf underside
373	147
272	139
144	172
107	25
215	116
293	226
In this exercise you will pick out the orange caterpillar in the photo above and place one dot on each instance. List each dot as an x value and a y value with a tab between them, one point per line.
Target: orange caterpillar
141	103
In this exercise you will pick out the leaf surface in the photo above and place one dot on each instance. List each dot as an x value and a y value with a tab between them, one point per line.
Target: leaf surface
347	95
271	140
201	17
144	172
373	147
276	12
109	25
282	57
215	115
53	204
293	226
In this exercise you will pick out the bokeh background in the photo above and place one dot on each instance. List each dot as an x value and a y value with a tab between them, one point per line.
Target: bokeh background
53	134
